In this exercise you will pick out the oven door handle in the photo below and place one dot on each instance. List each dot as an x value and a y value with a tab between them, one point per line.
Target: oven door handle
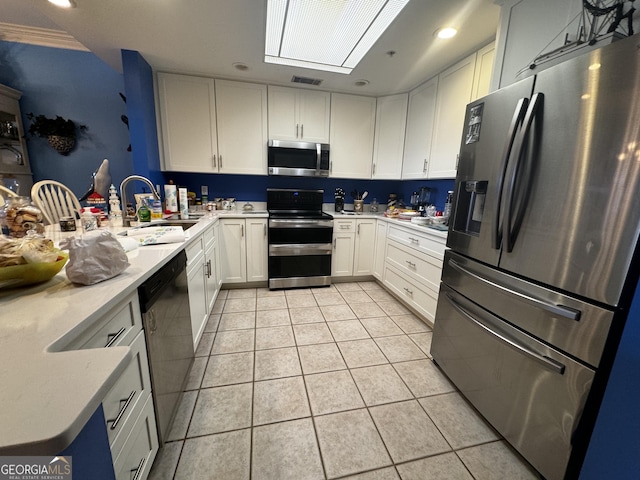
290	249
299	223
492	330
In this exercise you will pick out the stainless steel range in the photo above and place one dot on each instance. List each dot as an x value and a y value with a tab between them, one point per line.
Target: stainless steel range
300	236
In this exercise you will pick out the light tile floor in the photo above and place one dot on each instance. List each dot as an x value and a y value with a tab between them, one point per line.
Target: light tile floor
325	383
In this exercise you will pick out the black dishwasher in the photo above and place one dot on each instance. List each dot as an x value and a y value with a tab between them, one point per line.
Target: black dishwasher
166	319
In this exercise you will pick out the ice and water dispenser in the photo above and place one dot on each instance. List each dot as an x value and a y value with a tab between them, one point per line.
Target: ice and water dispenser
470	206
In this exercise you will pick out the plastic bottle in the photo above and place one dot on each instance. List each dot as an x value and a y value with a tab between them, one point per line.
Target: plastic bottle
447	205
156	210
144	214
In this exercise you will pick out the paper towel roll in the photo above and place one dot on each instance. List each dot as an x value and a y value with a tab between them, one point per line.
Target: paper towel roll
171	198
184	203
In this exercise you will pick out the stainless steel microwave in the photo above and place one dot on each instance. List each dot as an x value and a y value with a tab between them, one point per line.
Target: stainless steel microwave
298	159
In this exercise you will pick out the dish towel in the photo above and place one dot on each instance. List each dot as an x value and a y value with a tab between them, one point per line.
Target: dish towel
156	235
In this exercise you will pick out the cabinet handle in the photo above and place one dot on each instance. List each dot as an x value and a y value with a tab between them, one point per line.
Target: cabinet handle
220	158
330	166
373	172
302	131
345	227
409	292
114	336
411	264
297	130
265	229
358	229
208	265
242	230
127	402
424	166
215	165
334	243
139	469
457	160
413	240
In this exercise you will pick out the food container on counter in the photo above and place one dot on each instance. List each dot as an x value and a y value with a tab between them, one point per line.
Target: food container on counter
19	216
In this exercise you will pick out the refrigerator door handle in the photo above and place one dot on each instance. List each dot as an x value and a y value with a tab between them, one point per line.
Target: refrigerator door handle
509	229
516	121
545	361
556	310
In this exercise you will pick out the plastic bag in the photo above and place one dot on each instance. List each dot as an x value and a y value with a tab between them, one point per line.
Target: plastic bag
94	257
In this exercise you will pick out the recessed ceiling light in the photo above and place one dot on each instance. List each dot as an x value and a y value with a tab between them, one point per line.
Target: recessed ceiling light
63	3
447	32
332	36
361	83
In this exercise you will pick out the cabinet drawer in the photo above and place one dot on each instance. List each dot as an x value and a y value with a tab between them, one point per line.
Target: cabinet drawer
124	401
346	225
118	327
421	242
140	448
194	250
424	268
423	301
209	236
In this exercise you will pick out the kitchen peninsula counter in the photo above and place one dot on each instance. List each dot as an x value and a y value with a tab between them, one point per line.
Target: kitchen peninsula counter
48	394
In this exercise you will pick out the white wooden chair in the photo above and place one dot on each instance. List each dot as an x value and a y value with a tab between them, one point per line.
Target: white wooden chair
55	200
5	193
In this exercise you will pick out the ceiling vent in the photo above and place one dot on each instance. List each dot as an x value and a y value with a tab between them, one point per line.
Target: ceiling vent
306	80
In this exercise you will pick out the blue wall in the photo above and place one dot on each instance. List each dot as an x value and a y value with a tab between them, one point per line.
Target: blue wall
78	86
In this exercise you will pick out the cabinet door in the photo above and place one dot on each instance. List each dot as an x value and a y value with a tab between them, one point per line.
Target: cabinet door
196	281
364	247
380	250
420	123
242	127
352	133
313	109
391	120
283	116
15	160
211	279
342	257
484	68
233	263
454	93
188	121
256	249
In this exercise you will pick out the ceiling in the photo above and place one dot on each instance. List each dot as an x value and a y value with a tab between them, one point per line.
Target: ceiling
206	37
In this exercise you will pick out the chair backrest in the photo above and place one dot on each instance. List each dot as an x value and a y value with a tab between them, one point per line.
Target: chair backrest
4	193
55	200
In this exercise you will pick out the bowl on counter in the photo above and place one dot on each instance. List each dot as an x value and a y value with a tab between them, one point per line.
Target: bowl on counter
30	273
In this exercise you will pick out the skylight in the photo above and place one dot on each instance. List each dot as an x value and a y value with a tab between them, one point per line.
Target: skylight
331	35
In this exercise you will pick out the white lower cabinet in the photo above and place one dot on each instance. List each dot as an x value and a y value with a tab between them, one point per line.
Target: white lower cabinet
244	243
380	249
211	266
365	244
413	267
197	282
353	247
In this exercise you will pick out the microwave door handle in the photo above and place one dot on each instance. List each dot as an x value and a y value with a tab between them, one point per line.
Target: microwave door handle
511	228
516	121
491	329
318	158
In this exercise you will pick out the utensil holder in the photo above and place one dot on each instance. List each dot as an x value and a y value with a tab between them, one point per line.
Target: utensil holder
358	206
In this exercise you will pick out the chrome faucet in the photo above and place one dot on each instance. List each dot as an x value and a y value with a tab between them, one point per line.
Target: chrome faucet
126	219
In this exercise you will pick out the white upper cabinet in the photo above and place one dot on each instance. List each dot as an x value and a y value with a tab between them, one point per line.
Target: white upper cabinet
242	127
188	120
299	115
391	120
420	118
212	126
352	132
484	66
454	93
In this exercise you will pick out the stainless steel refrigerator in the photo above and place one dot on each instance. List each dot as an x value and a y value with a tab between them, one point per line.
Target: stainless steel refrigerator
543	257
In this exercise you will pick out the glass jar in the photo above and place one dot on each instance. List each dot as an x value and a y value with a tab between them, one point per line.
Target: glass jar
20	216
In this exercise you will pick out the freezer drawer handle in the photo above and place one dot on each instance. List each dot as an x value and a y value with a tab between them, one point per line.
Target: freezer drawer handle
545	361
553	309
